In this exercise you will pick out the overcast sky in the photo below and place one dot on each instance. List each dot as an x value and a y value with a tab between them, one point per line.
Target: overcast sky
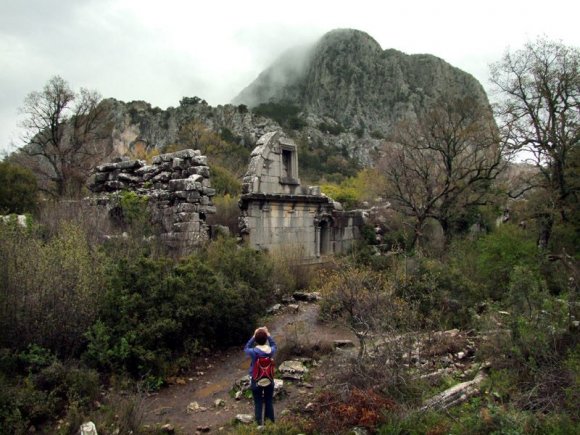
162	50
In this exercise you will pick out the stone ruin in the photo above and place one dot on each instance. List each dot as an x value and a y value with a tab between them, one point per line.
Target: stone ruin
178	189
279	214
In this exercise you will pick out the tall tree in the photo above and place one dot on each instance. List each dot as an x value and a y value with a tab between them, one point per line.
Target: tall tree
444	163
60	133
539	109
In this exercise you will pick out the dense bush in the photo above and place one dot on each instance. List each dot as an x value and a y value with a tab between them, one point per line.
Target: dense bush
38	388
224	181
18	189
287	115
157	310
49	288
320	163
501	251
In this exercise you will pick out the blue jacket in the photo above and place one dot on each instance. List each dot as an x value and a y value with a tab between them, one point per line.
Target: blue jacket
254	352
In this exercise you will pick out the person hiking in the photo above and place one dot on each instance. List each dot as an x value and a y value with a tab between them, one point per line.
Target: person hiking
261	349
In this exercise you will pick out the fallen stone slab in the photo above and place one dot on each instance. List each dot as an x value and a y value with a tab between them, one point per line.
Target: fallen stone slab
455	395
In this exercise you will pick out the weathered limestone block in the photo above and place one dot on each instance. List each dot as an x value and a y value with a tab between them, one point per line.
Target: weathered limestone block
101	177
197	170
186	217
129	178
107	167
194	197
196	177
162	177
208	191
182	184
187	154
130	164
293	370
185	227
208	209
147	169
200	161
185	207
177	163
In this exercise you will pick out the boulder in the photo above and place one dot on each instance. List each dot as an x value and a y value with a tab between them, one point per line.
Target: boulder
245	418
293	370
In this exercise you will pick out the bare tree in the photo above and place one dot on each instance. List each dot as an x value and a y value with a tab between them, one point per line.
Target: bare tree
60	133
444	163
539	107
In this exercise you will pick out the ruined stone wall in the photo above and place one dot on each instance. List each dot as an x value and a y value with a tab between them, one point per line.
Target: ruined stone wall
307	227
179	192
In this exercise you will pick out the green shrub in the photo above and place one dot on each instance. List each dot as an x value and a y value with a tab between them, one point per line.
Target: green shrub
49	288
224	181
285	114
157	310
501	251
18	189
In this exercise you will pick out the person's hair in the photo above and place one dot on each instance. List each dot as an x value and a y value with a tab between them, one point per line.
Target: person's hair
261	337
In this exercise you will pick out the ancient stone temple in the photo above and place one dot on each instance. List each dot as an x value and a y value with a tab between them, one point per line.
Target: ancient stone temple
279	214
178	192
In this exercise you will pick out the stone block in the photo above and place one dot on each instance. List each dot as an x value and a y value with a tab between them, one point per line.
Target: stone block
107	167
208	209
186	217
200	161
162	176
177	163
147	169
184	227
182	184
186	154
199	170
130	164
208	191
194	197
204	200
129	178
185	207
195	177
101	177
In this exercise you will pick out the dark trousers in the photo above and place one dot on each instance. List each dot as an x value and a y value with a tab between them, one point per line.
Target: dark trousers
263	401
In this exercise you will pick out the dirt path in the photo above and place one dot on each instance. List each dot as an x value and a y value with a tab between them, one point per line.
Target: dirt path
209	382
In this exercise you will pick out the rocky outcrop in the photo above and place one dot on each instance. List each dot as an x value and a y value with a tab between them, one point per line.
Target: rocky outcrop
177	188
137	122
353	93
350	92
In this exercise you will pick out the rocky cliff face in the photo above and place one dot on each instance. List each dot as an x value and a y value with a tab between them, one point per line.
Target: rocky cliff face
130	123
346	78
350	93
